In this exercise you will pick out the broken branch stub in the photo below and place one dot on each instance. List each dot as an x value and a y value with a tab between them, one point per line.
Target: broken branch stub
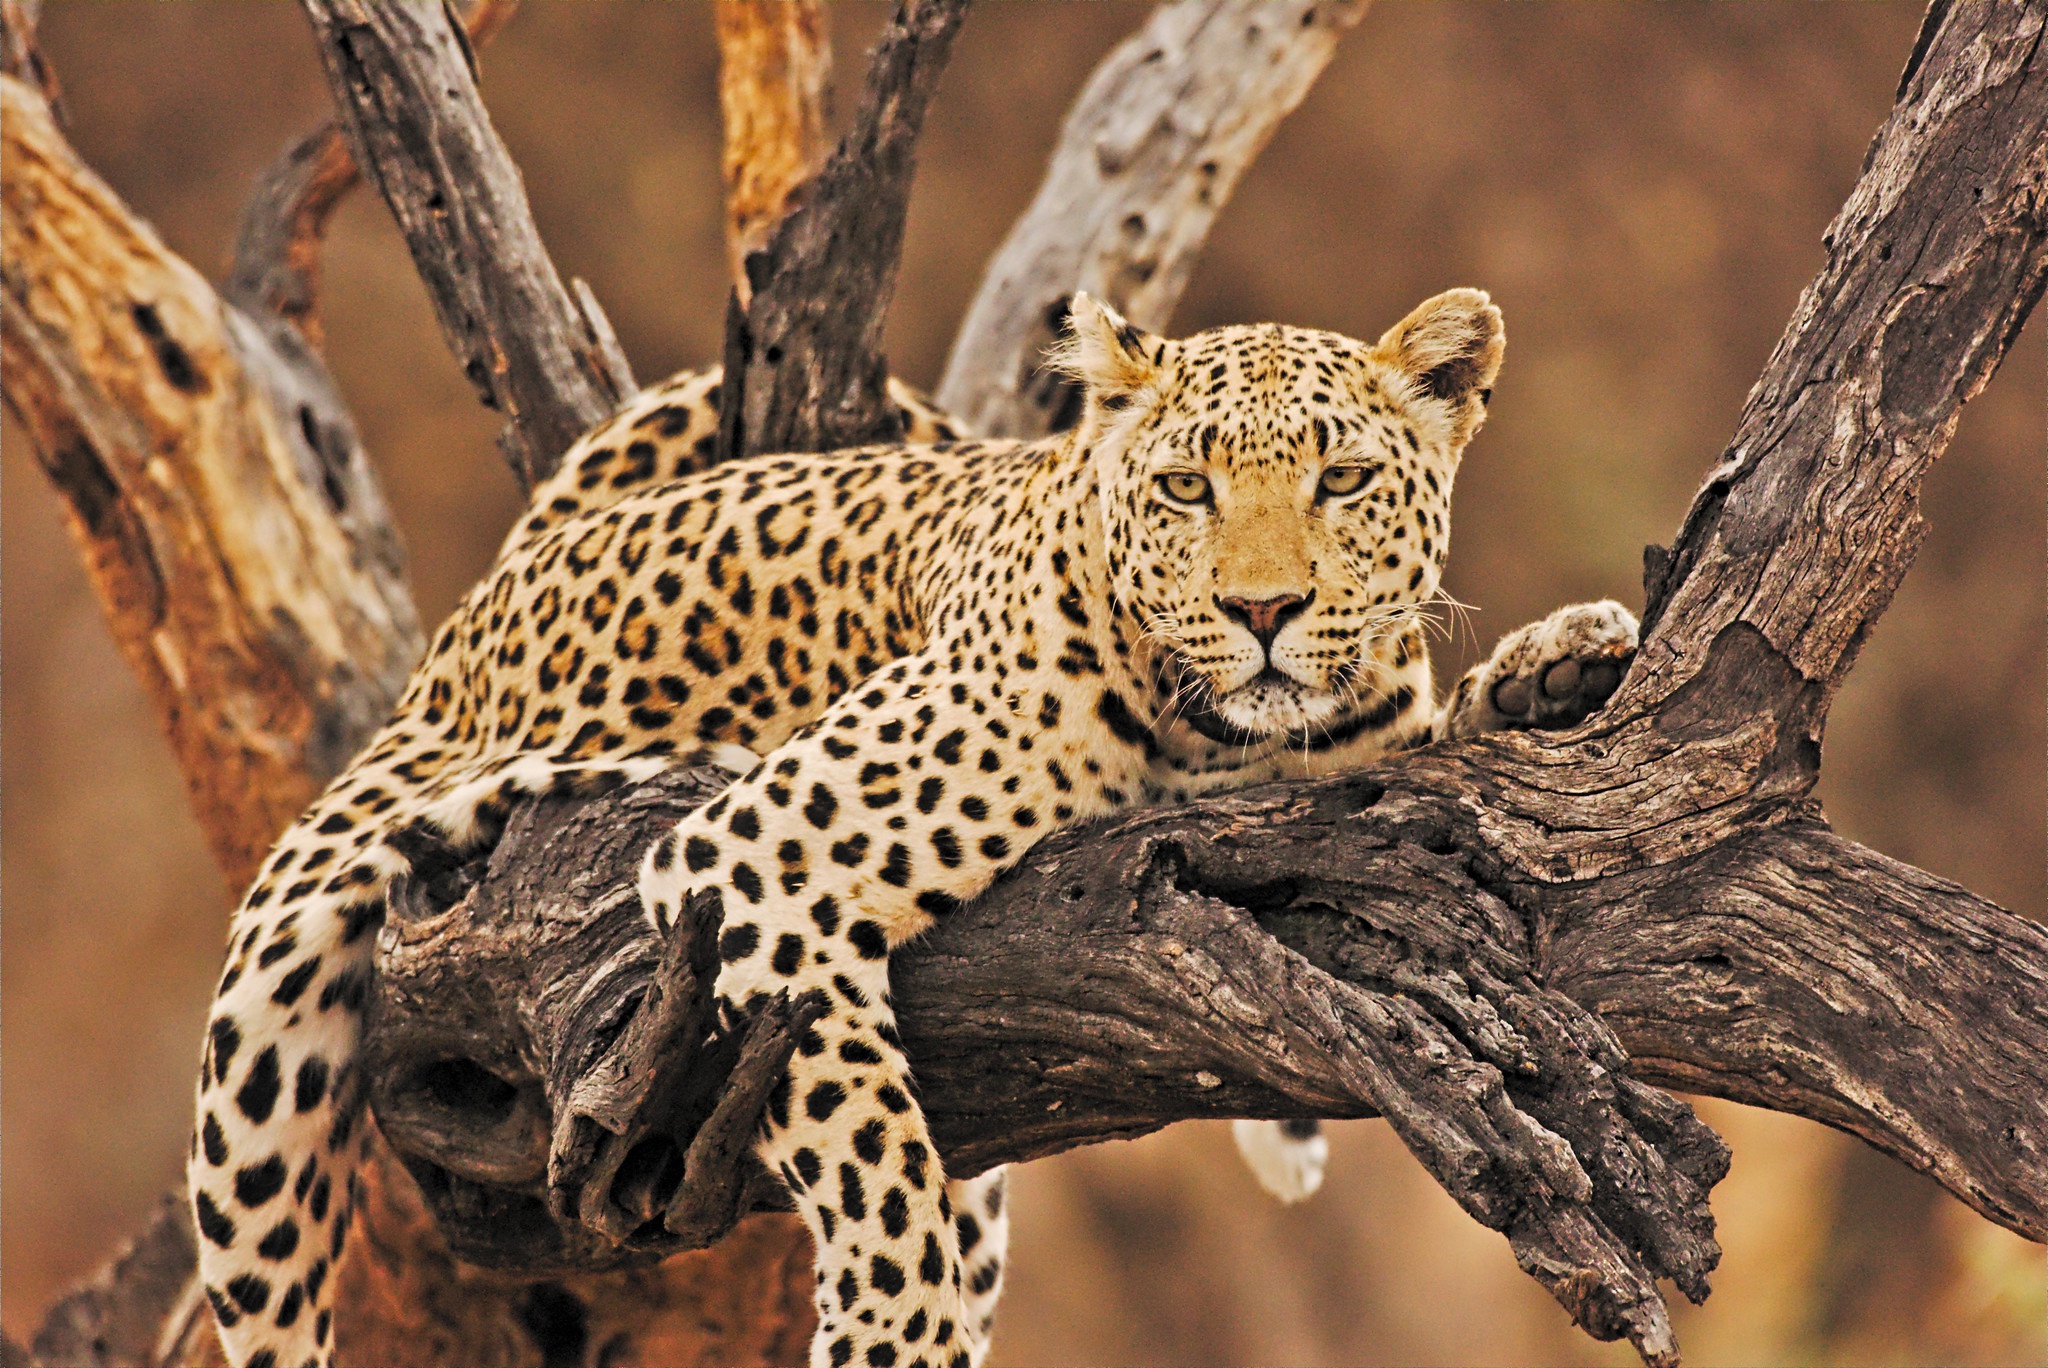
774	88
804	369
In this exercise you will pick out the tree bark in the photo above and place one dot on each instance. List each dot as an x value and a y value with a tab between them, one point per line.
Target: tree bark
774	92
804	369
276	268
405	84
228	517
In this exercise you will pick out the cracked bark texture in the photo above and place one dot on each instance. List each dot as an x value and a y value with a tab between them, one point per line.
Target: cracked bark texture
228	517
1495	944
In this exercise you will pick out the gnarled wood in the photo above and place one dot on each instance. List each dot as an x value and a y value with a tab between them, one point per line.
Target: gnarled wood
804	369
228	519
1104	990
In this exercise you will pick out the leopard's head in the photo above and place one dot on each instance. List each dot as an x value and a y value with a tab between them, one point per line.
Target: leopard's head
1277	500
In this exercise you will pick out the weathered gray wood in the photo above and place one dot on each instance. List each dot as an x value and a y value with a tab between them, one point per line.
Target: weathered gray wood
404	82
1431	940
1795	970
1149	155
804	369
118	1316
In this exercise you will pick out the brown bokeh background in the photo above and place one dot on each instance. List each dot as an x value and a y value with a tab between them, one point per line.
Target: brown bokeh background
1642	189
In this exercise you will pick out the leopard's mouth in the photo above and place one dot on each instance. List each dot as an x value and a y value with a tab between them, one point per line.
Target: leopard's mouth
1271	704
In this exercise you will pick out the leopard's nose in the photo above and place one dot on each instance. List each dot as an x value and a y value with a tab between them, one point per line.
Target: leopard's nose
1264	618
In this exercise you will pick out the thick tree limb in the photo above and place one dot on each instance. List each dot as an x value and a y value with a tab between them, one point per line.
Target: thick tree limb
229	520
1104	991
804	369
1805	529
774	90
1149	155
404	81
1422	940
1795	970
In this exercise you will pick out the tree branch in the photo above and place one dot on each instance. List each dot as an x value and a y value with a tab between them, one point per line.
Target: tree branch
804	369
404	82
774	89
276	268
228	517
1804	530
1795	970
1147	158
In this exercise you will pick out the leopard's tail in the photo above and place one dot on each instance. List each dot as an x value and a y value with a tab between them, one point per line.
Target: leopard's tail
272	1172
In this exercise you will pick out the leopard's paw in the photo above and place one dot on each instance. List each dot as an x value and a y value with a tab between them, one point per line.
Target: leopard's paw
1550	674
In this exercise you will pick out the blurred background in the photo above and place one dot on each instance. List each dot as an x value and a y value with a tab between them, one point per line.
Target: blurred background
1642	189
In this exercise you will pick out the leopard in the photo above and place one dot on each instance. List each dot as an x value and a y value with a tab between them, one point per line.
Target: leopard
916	660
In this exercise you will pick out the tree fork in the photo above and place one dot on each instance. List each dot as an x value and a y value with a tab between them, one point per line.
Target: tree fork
1662	861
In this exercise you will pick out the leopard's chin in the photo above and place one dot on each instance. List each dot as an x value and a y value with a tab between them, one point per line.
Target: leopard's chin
1269	706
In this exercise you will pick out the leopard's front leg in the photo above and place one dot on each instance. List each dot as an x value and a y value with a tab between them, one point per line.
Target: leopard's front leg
906	797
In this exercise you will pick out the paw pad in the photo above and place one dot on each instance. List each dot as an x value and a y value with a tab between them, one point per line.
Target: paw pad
1562	693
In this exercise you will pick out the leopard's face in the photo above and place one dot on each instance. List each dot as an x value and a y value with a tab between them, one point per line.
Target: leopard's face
1277	502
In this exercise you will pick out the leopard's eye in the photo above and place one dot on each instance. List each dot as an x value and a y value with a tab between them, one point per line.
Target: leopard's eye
1184	487
1341	480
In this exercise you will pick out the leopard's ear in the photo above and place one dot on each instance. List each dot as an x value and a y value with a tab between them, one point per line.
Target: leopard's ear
1450	349
1110	357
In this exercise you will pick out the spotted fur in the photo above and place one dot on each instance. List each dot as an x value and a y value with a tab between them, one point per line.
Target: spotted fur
923	659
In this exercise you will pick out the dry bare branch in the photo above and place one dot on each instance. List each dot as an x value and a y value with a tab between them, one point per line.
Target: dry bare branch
804	369
276	268
404	80
229	521
1149	155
